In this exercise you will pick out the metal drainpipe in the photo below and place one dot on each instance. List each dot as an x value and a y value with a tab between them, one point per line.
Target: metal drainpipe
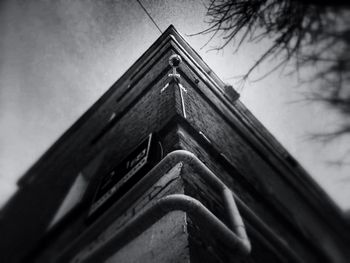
233	235
176	202
236	237
190	159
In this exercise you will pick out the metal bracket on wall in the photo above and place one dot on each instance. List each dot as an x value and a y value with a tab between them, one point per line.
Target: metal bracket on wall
174	61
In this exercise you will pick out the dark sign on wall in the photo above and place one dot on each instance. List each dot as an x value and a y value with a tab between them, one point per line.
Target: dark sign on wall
125	175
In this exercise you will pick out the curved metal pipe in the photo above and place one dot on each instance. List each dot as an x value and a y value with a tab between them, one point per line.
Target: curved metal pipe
235	220
234	236
190	159
176	202
240	240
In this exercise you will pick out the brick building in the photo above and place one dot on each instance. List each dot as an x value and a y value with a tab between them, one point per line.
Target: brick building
169	166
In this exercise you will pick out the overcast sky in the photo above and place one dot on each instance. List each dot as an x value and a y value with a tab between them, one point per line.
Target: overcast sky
58	57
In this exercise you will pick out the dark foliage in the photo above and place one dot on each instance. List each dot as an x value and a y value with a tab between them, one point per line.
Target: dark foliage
307	33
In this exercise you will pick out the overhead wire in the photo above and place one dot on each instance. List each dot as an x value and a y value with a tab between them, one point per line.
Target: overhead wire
149	15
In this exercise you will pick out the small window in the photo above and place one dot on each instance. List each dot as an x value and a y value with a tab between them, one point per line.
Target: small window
77	191
74	196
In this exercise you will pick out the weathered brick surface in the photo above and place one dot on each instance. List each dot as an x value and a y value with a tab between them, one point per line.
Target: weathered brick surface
164	242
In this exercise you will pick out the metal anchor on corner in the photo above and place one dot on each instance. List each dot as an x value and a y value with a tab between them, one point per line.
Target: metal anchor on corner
174	61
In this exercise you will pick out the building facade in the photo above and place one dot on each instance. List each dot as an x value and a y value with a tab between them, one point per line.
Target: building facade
169	166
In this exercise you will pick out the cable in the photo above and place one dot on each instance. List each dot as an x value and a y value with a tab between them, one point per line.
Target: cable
149	15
